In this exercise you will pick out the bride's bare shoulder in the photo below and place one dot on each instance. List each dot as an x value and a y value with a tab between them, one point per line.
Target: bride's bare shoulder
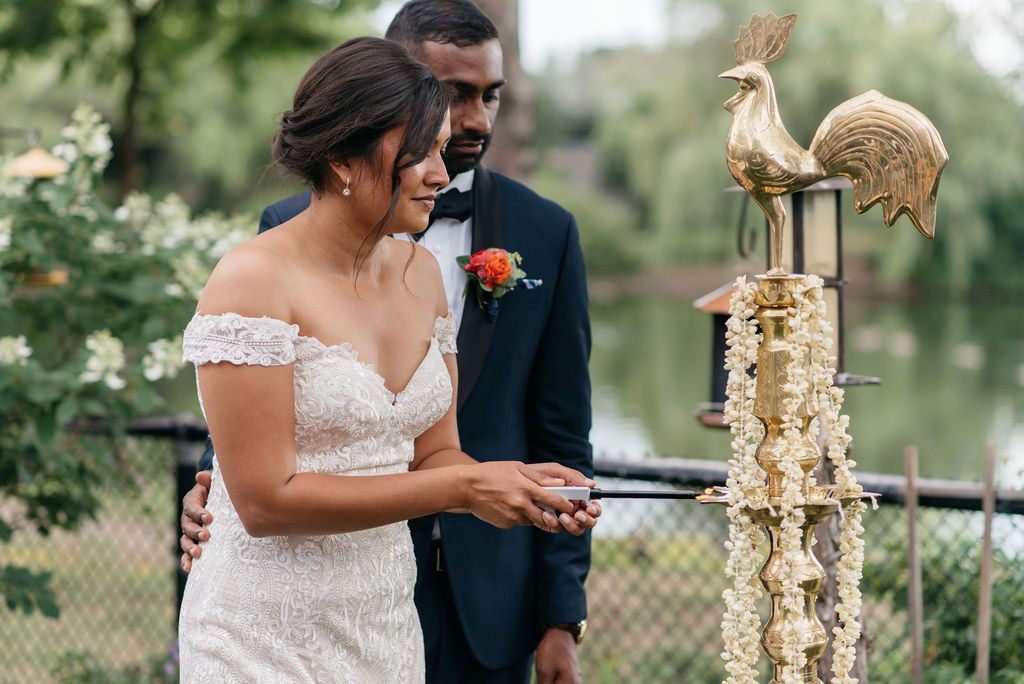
250	280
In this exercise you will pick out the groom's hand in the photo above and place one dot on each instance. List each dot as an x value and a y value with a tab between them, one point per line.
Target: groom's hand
506	493
556	659
585	514
194	519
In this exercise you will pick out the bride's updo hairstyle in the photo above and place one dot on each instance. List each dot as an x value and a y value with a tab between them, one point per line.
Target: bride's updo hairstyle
344	105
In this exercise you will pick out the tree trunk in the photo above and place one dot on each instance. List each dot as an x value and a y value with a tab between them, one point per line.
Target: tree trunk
510	152
827	552
131	171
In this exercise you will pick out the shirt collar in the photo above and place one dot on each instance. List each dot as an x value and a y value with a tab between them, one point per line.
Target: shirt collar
462	182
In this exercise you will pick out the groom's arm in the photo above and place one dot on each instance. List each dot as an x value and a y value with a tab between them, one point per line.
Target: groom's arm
559	419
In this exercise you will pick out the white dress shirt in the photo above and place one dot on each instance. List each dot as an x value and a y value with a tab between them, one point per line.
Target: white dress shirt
447	239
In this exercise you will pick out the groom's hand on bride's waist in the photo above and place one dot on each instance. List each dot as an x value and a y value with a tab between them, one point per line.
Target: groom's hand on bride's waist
194	519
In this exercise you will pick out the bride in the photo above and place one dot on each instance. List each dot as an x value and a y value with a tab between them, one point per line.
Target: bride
325	363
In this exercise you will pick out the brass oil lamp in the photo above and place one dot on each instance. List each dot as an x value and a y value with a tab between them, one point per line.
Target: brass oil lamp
893	155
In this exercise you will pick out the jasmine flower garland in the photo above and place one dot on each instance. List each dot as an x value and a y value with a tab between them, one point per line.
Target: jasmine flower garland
795	390
741	623
851	543
809	338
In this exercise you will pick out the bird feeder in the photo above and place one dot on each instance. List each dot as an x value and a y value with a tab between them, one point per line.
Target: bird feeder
812	241
38	164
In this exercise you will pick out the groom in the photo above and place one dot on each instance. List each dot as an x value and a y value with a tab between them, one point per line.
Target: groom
489	598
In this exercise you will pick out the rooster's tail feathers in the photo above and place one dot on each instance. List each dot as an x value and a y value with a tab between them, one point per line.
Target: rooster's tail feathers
890	151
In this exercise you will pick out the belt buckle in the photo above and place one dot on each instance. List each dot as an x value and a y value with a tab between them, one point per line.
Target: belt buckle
438	558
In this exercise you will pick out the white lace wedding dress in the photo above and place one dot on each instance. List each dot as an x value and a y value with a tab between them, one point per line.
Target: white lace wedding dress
330	608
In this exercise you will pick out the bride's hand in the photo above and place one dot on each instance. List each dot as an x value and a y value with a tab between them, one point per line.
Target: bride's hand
585	513
506	493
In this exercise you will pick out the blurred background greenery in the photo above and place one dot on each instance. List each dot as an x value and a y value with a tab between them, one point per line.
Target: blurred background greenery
629	138
629	135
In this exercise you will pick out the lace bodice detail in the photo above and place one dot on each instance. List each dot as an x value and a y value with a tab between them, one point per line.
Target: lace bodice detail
328	608
268	341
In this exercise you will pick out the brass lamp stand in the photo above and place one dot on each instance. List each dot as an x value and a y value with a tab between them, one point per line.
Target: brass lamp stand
893	155
775	295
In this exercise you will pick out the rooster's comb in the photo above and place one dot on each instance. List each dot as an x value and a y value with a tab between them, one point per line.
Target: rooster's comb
764	39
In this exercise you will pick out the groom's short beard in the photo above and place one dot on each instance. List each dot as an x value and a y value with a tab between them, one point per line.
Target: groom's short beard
455	164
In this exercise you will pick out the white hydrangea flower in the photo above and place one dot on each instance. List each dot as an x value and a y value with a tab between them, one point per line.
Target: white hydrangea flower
87	135
86	212
106	360
14	351
106	242
163	360
66	151
167	224
6	224
135	210
13	187
191	273
99	143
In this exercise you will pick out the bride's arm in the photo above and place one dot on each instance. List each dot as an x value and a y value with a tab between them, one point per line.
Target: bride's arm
255	450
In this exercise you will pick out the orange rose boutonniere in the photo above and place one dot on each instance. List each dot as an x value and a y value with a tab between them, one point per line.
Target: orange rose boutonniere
493	272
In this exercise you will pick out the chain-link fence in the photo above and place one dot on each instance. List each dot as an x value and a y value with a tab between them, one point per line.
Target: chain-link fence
654	589
115	580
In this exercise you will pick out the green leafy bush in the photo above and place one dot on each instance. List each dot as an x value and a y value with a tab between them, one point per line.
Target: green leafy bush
93	300
80	668
950	585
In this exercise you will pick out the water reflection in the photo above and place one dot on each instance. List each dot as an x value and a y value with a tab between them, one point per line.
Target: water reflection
952	379
656	366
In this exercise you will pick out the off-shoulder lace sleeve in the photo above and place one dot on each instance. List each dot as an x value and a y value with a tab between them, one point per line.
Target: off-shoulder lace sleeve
444	331
240	340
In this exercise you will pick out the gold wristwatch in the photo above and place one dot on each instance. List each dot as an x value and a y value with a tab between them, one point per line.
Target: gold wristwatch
577	629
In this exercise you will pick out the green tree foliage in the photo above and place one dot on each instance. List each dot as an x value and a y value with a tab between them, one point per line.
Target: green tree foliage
657	119
79	352
151	59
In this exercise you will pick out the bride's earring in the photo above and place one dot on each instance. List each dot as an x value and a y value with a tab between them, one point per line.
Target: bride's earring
346	192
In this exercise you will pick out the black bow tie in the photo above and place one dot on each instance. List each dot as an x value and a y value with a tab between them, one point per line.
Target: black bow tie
453	204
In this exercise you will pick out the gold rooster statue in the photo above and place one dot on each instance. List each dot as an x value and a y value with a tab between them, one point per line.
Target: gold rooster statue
890	151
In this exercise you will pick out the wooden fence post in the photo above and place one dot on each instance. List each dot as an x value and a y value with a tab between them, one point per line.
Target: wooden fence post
988	506
915	607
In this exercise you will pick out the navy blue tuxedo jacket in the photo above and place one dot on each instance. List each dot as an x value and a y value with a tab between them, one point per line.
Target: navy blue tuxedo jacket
524	395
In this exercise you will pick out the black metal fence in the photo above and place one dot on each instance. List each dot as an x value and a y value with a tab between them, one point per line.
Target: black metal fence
654	589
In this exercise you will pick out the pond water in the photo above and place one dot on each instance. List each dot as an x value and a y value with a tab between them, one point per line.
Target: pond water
952	380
